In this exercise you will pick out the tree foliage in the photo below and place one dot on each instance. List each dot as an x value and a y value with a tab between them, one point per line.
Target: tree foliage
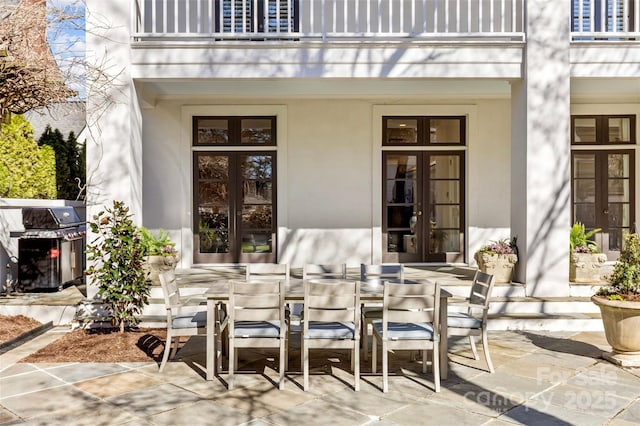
117	254
70	172
26	170
29	75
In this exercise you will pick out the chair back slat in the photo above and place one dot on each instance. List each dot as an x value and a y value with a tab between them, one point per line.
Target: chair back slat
331	315
381	272
312	270
411	303
170	289
481	289
253	314
256	301
333	301
267	271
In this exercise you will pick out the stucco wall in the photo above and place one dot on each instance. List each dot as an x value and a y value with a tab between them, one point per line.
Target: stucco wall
329	171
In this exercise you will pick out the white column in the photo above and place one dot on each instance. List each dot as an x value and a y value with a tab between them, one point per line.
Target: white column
114	144
540	188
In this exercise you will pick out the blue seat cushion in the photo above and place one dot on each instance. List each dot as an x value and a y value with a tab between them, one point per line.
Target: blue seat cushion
198	319
331	330
257	329
405	330
463	320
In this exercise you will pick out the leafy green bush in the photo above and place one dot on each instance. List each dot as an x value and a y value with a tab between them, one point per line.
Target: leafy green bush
117	253
160	245
26	170
624	283
579	239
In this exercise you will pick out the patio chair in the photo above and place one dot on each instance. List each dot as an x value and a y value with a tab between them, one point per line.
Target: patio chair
410	321
331	320
257	320
474	322
179	324
372	311
320	271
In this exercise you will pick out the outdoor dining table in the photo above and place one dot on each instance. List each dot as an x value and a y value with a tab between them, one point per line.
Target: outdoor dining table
370	291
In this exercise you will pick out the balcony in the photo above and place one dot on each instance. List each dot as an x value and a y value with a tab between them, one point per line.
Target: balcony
605	20
207	21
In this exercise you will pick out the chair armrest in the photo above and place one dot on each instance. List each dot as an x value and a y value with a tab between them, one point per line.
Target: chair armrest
194	300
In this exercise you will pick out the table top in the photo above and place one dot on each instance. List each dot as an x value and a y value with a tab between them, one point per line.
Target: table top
294	289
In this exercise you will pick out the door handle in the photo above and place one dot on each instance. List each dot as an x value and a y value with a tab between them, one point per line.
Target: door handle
605	211
418	213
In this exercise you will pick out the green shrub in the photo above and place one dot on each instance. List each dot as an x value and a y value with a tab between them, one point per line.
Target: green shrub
117	253
26	170
579	239
625	280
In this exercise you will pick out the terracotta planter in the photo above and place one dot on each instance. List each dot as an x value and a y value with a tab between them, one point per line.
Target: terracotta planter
154	265
501	266
621	321
585	267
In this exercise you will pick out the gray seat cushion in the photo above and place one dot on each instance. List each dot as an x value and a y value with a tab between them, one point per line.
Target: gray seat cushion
405	331
463	320
331	330
257	329
199	319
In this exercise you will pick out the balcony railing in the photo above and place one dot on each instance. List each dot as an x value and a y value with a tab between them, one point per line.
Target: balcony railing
605	20
373	20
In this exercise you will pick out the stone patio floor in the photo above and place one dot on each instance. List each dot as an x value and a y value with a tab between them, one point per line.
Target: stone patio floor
541	378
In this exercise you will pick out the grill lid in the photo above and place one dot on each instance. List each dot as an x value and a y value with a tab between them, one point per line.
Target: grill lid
50	218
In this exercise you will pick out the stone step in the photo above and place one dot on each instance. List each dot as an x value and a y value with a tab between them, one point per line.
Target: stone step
544	305
584	289
547	322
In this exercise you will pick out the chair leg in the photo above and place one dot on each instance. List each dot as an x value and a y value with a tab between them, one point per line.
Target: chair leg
436	367
485	347
305	365
472	342
424	361
283	357
167	349
365	338
356	369
374	354
232	358
176	343
385	368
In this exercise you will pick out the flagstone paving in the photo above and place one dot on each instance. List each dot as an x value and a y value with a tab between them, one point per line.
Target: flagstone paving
541	378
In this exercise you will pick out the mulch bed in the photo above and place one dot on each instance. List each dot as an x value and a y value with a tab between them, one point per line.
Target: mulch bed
104	345
12	326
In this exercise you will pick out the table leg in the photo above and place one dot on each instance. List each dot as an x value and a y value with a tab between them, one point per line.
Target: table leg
211	340
444	339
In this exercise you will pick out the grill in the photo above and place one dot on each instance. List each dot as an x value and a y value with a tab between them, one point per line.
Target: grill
51	248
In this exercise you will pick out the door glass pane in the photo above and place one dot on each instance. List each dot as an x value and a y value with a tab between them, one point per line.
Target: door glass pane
444	167
618	190
256	131
586	213
584	130
584	190
448	216
618	165
212	131
402	131
619	129
400	197
618	216
213	203
615	239
257	203
445	191
584	166
445	130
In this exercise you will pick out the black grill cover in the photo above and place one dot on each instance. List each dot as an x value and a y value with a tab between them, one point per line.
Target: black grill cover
50	218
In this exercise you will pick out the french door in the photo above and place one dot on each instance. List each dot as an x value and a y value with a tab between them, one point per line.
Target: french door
423	206
234	206
604	195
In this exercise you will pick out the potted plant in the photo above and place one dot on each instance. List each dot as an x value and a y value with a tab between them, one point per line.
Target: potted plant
159	253
117	253
498	258
619	304
585	258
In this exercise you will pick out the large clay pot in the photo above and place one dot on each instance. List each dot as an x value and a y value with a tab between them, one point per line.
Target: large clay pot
621	321
501	266
154	265
586	267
